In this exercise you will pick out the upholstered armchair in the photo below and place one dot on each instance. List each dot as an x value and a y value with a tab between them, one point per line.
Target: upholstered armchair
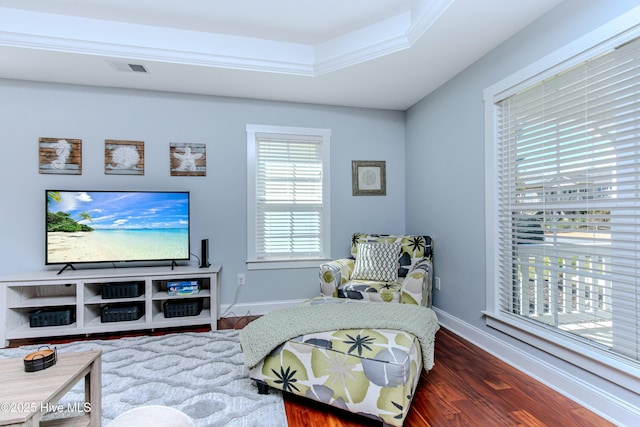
382	268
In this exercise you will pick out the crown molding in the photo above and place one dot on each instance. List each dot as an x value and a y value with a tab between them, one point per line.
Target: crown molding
83	36
424	14
143	53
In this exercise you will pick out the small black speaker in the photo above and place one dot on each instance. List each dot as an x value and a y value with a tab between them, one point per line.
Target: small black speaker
204	253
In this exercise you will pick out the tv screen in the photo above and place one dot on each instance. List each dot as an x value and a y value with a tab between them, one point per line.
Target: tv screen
116	226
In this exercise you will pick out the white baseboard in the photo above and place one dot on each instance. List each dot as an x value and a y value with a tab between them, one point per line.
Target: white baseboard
255	308
610	407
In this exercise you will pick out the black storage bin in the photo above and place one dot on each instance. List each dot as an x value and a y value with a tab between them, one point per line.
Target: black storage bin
121	312
121	290
52	317
181	308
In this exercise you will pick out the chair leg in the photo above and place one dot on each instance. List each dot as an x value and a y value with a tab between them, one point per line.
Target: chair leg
263	388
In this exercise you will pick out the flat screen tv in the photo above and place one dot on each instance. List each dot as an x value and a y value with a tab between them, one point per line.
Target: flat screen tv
116	226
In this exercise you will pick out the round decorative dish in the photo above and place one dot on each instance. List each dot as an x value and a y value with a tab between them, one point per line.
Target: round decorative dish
41	359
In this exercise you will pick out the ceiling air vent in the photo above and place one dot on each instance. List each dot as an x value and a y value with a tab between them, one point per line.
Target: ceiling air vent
137	68
129	68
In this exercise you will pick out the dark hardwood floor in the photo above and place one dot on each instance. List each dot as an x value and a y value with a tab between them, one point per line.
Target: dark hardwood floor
467	387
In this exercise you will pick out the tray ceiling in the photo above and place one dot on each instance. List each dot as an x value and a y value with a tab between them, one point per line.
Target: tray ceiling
378	54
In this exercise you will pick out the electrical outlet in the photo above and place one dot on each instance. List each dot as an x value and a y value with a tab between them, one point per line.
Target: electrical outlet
437	283
240	279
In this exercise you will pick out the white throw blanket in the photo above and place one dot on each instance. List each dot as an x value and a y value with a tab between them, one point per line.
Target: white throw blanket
266	333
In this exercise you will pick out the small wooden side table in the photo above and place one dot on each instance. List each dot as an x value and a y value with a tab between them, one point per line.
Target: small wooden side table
26	396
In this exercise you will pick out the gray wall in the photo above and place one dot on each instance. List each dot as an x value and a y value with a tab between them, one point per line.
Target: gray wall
437	187
32	110
445	132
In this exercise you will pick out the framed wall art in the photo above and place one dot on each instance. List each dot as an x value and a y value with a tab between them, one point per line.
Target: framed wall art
368	178
123	157
60	156
187	159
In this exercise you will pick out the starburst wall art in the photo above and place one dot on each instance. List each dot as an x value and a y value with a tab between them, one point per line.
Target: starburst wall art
188	159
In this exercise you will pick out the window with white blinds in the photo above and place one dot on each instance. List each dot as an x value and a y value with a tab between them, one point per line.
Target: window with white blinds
568	201
289	191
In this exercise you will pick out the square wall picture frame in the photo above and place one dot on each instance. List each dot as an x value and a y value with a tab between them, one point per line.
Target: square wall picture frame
186	159
62	156
368	178
123	157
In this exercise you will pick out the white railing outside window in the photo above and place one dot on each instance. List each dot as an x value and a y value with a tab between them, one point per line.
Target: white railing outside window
563	198
572	293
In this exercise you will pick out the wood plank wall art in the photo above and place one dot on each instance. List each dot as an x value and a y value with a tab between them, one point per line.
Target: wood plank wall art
60	156
187	159
123	157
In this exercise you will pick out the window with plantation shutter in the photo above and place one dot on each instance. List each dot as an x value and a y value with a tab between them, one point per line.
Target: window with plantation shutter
288	196
566	212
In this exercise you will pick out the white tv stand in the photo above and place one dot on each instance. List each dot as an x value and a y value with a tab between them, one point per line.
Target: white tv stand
79	290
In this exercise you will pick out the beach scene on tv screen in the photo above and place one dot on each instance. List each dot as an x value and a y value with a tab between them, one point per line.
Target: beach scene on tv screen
116	226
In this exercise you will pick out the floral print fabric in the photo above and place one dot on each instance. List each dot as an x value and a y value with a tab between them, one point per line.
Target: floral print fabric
373	372
413	289
413	249
415	275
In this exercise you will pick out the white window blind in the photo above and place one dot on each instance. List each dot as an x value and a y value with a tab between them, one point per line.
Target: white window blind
568	194
290	211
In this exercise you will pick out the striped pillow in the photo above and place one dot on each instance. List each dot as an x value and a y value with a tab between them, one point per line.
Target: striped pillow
377	261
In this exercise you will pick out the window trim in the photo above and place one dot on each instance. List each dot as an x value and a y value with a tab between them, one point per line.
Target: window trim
286	263
605	364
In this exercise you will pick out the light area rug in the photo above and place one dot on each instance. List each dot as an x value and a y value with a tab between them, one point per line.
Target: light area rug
200	373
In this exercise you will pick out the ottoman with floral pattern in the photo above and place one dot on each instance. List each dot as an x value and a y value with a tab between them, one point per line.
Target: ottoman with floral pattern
372	372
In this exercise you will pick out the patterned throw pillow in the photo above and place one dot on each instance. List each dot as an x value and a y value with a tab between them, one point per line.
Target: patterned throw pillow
377	261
